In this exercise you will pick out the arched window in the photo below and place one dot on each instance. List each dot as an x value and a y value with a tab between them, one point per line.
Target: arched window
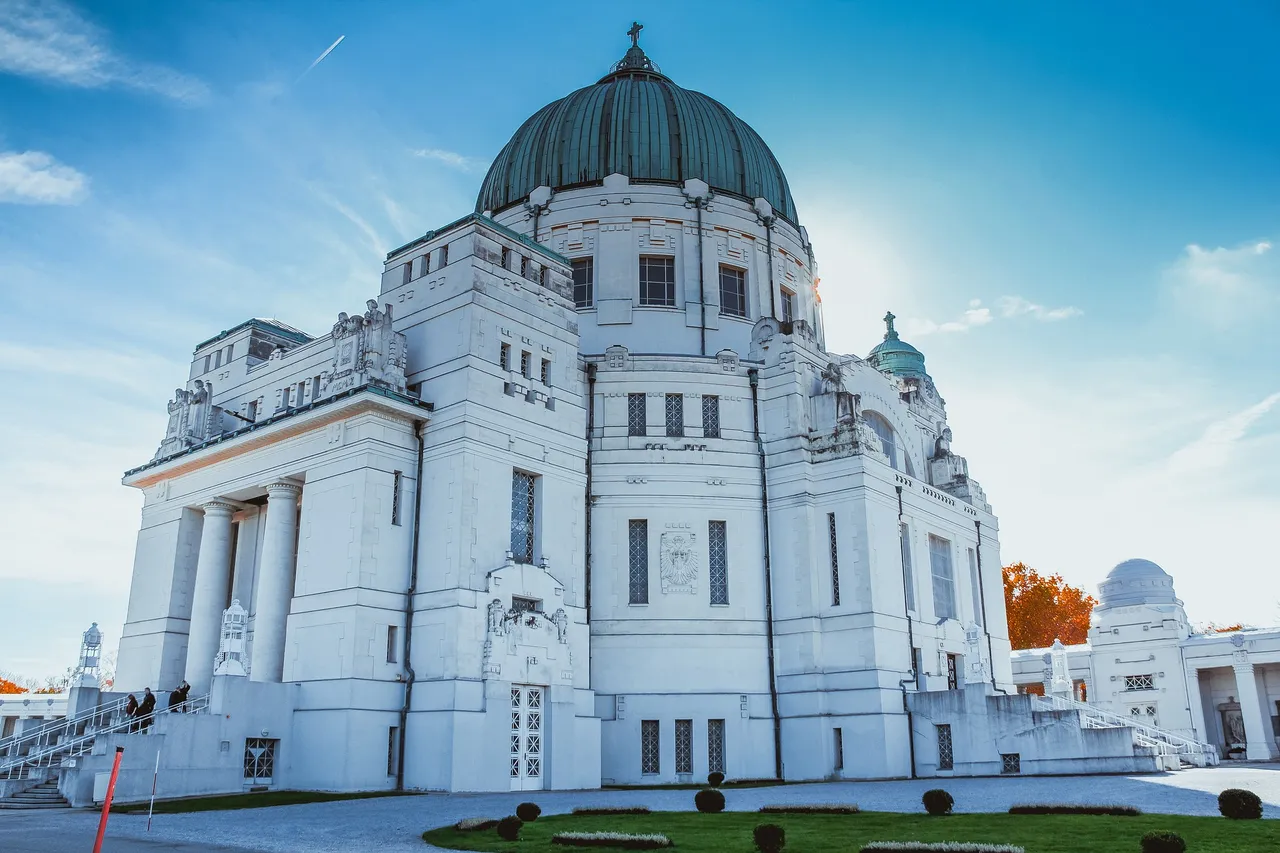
898	458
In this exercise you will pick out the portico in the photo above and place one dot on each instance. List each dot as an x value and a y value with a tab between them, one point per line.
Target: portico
1233	687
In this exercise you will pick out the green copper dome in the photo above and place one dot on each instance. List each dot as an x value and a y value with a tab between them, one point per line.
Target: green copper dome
636	122
896	355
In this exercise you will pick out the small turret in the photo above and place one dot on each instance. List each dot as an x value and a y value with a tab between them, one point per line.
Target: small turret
896	356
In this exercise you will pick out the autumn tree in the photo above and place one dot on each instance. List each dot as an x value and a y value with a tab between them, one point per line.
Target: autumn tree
7	686
1042	608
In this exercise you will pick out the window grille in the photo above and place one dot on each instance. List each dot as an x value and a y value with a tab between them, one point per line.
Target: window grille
506	258
710	416
675	415
788	306
524	267
545	375
718	571
946	760
1010	762
657	282
638	553
976	585
715	746
504	357
522	516
393	752
908	577
393	634
833	544
520	604
525	363
839	745
733	291
637	414
953	673
1139	682
397	481
584	273
684	746
259	759
944	585
649	747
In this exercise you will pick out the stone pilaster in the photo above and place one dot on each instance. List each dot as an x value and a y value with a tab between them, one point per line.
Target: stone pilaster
1196	704
275	581
1257	728
209	595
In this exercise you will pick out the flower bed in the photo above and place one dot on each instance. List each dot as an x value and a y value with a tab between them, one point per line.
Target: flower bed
1037	808
812	808
474	824
621	840
937	847
616	810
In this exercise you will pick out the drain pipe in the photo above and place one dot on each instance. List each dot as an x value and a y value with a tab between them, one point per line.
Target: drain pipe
754	376
768	242
408	610
982	602
913	676
586	549
702	274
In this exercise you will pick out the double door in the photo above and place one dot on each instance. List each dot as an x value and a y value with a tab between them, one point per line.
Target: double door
526	737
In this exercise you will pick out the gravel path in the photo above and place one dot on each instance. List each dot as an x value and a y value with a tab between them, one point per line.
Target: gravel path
395	824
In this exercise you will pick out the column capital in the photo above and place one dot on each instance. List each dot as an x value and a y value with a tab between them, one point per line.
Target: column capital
283	487
1240	661
219	506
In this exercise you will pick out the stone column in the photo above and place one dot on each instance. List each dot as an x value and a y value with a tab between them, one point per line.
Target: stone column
275	581
1257	728
1196	704
209	596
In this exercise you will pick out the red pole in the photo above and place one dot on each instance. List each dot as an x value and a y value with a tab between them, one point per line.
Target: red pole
106	806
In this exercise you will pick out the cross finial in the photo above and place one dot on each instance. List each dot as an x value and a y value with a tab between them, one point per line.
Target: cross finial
634	32
888	322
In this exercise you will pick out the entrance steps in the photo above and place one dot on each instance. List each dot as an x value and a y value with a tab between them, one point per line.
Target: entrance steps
1175	751
42	796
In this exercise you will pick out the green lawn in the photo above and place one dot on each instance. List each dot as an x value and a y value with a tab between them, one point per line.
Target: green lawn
259	800
731	831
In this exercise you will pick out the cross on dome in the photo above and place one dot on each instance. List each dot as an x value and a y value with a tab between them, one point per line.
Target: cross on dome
891	334
634	32
635	60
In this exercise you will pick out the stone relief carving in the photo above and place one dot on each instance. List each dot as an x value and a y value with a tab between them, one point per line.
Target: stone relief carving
367	350
192	419
561	620
497	614
678	561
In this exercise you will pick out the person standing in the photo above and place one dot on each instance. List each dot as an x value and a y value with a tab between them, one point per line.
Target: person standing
145	709
131	711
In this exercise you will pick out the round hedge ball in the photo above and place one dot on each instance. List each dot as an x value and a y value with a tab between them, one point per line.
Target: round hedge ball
709	801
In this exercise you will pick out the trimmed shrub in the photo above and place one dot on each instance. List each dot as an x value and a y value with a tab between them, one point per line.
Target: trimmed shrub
937	802
1239	804
1038	808
937	847
509	828
715	779
613	810
769	837
528	812
709	800
474	824
812	808
619	840
1163	842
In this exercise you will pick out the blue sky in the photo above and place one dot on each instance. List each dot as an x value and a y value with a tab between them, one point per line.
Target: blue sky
1073	208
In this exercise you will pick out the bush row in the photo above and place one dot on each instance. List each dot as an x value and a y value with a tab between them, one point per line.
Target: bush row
812	808
1044	808
618	840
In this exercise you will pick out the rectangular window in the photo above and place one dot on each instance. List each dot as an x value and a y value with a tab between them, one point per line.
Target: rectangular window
657	282
638	561
1140	682
208	363
976	585
524	267
226	358
953	672
946	760
393	749
520	604
650	748
506	258
584	275
408	273
839	744
504	357
833	543
426	263
675	415
718	555
944	584
545	374
315	388
260	759
526	360
397	482
217	359
1010	762
684	746
908	577
522	516
710	416
284	396
733	291
444	254
715	746
788	306
392	643
637	415
253	410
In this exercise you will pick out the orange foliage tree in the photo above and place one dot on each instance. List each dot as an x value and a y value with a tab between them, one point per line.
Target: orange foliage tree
1042	608
7	686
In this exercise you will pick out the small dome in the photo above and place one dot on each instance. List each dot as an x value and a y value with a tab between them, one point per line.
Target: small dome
1135	582
896	355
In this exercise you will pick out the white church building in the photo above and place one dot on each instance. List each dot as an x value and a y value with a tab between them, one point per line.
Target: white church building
579	498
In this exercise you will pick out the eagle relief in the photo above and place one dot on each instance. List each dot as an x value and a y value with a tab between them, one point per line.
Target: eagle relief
679	563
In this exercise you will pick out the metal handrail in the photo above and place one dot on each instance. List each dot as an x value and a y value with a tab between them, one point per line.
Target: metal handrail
1179	743
12	745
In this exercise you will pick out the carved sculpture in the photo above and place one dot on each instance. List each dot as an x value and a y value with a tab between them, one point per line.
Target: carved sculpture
678	562
561	620
497	617
192	419
367	350
942	446
232	657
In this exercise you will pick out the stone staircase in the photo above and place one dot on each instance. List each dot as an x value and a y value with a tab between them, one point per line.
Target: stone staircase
1175	751
42	796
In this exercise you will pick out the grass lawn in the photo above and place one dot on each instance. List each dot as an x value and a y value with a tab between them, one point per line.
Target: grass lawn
258	800
731	831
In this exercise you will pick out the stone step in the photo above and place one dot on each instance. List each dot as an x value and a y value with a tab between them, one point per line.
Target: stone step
39	795
14	803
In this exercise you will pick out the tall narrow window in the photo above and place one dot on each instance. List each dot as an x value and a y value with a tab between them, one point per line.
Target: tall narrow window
208	363
684	746
526	359
397	479
908	577
675	415
426	263
444	254
710	416
315	388
506	258
944	584
524	267
523	492
884	430
945	757
253	410
715	746
545	374
839	745
953	672
657	282
637	415
584	275
788	306
217	359
408	273
833	543
226	358
976	585
650	748
638	561
718	568
504	357
733	291
393	634
393	749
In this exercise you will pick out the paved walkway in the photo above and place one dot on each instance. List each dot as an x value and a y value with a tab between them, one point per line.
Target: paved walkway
395	824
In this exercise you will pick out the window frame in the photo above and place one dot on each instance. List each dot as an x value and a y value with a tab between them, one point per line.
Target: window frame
393	652
589	286
684	746
711	406
718	552
833	544
738	276
908	572
637	561
669	299
650	748
787	308
944	585
528	554
637	414
673	408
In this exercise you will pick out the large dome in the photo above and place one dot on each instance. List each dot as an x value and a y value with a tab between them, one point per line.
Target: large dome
1137	582
636	122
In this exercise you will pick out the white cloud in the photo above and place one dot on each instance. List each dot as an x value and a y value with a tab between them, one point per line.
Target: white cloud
1010	308
1016	306
452	159
50	40
34	177
1226	287
1212	450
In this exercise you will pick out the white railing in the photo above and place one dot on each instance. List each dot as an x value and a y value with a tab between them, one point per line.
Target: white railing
52	755
1162	741
53	730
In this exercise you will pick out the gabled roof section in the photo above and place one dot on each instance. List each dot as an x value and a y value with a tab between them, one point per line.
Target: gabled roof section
264	324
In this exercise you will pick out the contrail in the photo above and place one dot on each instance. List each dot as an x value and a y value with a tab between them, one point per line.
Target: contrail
321	57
